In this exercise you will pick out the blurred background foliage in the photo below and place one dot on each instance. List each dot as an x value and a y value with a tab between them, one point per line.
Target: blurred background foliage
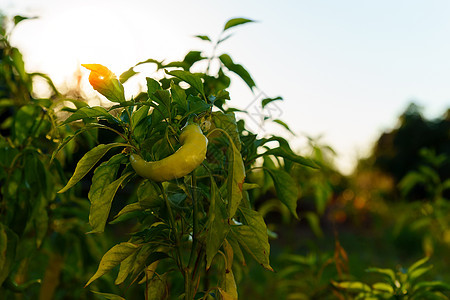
392	211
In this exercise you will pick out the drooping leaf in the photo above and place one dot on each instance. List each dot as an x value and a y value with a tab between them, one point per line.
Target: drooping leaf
253	236
192	79
235	22
217	226
109	296
112	258
286	188
126	266
100	208
238	70
284	125
157	287
229	286
88	161
90	112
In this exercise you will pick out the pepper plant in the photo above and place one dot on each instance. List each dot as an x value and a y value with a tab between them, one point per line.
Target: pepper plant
197	225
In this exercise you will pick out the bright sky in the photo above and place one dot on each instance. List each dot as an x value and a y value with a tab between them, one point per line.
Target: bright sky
346	69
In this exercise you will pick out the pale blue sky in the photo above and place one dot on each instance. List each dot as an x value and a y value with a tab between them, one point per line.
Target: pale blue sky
346	69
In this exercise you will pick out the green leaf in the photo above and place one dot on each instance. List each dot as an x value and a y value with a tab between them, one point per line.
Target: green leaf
152	86
3	245
87	162
156	287
8	255
235	22
253	236
150	61
431	286
238	70
18	19
266	101
228	123
288	154
128	208
196	105
383	287
217	226
127	75
179	96
191	58
417	264
192	79
418	273
314	223
286	188
235	179
139	115
25	122
109	296
90	112
148	195
112	258
229	285
390	274
67	139
126	266
203	37
284	125
163	98
100	207
354	286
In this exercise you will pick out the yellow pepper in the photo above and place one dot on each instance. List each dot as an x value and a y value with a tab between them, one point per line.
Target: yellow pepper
188	157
